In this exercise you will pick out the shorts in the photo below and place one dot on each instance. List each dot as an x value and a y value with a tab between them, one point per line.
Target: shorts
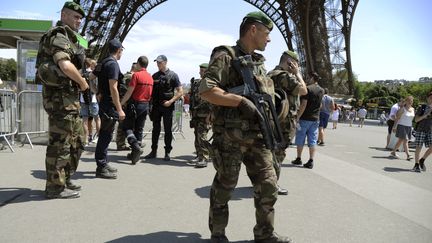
89	110
423	137
323	119
309	129
403	132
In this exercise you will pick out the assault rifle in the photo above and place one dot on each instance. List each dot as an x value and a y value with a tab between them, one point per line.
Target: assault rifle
270	127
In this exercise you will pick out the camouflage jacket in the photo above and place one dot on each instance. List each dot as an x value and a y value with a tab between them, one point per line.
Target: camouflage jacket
288	82
222	74
198	106
60	93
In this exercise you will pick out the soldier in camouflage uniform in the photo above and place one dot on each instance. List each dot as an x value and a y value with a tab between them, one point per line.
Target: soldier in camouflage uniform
200	121
287	76
59	58
237	136
120	135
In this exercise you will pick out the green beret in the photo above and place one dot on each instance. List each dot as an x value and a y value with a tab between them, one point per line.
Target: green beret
292	54
75	7
260	18
203	65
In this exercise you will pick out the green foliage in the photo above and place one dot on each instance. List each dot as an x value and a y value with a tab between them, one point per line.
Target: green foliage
387	96
8	69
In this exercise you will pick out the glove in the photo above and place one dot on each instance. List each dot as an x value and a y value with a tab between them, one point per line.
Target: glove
249	110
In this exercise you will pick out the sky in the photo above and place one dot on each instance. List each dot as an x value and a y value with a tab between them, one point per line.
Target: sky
390	39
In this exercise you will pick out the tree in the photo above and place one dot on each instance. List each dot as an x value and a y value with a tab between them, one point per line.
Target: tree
8	69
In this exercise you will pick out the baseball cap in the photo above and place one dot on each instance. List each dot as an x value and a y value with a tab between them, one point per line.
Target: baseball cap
259	17
114	45
75	7
161	58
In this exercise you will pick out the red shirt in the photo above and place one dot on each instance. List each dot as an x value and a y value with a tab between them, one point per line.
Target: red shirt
143	83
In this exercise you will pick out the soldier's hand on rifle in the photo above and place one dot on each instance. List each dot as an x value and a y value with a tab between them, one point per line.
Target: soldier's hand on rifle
249	110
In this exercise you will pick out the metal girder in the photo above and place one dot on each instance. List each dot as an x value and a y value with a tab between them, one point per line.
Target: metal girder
339	16
107	19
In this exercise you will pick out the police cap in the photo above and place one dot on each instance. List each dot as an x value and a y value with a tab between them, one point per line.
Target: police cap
259	17
75	7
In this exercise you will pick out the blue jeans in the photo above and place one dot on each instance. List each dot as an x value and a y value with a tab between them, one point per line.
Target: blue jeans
108	116
309	129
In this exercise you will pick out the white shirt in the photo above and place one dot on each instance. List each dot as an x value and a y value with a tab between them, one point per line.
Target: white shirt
394	109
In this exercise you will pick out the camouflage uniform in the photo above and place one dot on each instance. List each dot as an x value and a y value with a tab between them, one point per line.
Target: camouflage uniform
236	140
288	82
200	110
121	135
61	102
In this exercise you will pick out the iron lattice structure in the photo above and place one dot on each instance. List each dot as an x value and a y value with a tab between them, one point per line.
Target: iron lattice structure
319	30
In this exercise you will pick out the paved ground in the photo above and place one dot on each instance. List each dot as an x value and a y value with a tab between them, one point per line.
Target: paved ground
355	193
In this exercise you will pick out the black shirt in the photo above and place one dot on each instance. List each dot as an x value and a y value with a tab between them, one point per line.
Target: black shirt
164	85
313	97
109	70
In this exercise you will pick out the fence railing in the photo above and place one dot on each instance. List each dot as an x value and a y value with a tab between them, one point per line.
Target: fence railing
8	113
32	118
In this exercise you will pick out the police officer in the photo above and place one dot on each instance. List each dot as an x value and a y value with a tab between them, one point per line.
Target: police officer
59	59
200	121
236	136
110	109
163	99
287	77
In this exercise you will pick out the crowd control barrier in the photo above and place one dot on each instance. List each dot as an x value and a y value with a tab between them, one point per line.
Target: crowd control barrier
8	113
32	119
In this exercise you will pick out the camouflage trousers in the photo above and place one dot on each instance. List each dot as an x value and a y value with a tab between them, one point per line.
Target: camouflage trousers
120	136
288	130
227	157
65	145
202	145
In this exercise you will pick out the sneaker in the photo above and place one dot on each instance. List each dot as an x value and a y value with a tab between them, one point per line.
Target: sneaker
65	194
282	191
201	163
219	239
167	157
70	185
104	173
111	169
297	161
275	238
135	155
151	155
394	155
321	143
422	165
309	164
416	168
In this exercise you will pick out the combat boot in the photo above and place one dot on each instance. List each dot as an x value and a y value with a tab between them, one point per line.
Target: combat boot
135	155
202	163
219	239
65	194
70	185
275	238
151	155
105	173
167	156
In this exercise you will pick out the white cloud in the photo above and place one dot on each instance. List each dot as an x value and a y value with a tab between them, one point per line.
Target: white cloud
185	47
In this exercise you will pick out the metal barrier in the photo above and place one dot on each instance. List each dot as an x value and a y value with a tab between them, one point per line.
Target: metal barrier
177	124
33	120
8	113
